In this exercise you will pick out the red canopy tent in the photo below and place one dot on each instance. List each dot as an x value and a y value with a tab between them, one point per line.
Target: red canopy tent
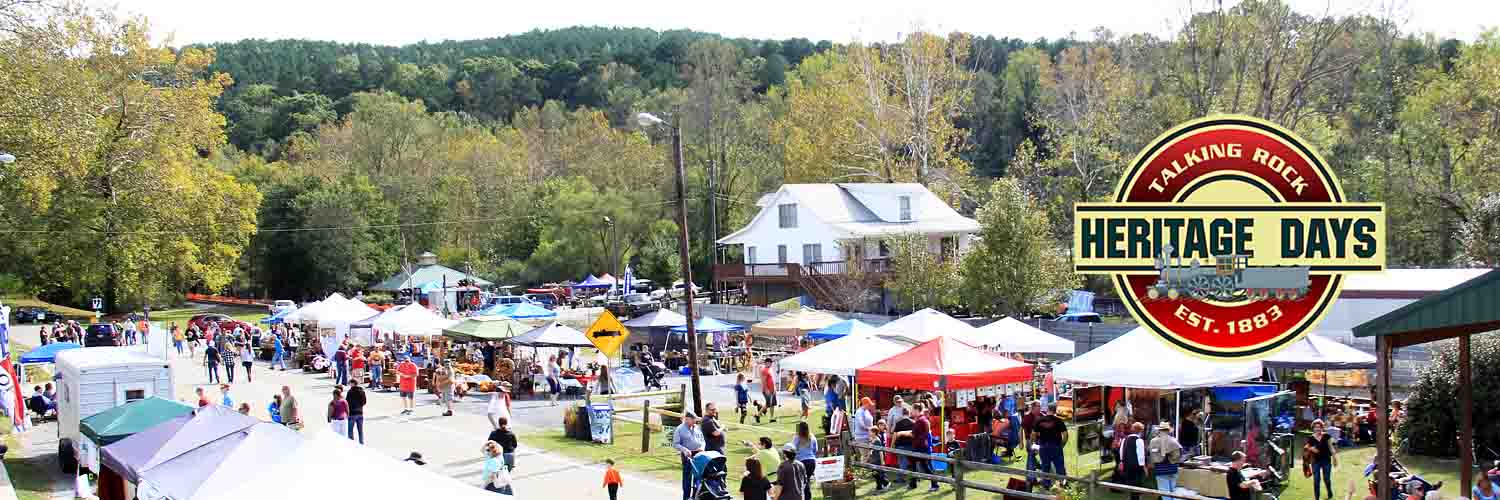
944	364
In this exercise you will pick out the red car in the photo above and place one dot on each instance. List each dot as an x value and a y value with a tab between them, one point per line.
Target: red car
226	323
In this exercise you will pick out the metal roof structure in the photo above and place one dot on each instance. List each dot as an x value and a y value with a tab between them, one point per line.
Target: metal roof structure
1465	309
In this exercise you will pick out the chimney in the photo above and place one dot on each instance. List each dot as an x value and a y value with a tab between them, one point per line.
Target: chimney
426	259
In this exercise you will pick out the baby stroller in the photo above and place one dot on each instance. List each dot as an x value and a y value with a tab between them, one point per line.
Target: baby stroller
710	469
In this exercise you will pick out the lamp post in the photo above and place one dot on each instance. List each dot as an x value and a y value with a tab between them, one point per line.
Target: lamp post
648	120
613	250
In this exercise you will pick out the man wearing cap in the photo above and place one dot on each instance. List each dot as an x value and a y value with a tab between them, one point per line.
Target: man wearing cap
1166	453
791	476
688	440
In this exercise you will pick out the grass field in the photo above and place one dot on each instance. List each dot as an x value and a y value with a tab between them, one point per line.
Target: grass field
27	476
17	301
662	462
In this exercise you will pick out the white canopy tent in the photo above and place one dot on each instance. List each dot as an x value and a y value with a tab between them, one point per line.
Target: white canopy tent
316	466
1317	352
844	355
415	321
1140	360
660	318
1012	335
928	324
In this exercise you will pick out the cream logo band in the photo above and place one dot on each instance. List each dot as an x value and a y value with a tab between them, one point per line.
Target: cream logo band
1228	237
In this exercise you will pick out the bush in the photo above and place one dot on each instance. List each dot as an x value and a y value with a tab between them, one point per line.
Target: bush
1431	424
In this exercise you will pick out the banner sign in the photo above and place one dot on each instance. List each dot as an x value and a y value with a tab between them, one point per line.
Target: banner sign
1228	237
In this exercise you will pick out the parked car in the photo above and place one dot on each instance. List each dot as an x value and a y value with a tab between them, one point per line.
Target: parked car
639	304
277	306
1081	317
226	323
24	315
505	300
100	335
546	300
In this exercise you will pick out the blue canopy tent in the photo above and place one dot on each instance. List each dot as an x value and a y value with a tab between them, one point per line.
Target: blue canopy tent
47	353
839	330
593	282
709	325
276	319
523	310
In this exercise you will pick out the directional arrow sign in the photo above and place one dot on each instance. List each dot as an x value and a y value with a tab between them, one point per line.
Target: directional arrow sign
607	334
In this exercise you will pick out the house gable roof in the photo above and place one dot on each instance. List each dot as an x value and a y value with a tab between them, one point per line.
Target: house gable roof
865	209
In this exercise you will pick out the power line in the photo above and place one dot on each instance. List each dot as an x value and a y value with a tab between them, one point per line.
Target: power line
302	229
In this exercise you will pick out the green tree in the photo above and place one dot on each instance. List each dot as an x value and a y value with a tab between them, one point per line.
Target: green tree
111	127
1016	262
921	275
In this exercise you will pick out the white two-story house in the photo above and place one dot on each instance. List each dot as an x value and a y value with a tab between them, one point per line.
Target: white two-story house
804	231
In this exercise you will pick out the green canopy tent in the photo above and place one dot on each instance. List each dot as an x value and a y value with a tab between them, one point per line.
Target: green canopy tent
120	422
485	328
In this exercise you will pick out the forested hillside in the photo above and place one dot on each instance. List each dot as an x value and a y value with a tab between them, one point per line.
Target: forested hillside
288	168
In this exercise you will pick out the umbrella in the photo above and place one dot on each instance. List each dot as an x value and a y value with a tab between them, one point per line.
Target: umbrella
485	328
709	325
841	329
795	322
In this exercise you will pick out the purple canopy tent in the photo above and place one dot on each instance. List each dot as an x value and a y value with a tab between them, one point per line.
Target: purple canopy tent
176	458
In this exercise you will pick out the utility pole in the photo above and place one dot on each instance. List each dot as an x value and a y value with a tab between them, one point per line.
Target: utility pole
713	228
687	267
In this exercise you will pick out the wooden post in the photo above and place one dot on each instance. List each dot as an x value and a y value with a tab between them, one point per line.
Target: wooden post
1382	424
1465	416
958	478
646	427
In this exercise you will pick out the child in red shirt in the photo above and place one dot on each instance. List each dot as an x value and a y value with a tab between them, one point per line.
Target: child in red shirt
612	479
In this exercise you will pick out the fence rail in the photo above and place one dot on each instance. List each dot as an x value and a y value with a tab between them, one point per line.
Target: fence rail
957	467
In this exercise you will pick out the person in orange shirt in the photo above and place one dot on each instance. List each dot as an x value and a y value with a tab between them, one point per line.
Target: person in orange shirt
612	479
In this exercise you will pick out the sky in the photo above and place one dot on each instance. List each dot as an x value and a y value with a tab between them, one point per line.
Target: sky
400	22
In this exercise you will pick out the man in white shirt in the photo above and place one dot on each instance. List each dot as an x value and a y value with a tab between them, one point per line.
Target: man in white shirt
897	411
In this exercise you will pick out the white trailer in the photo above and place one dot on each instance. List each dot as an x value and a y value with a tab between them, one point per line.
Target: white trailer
95	379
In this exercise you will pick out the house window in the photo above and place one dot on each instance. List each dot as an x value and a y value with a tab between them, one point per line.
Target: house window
905	208
780	254
135	395
885	249
788	213
812	253
749	255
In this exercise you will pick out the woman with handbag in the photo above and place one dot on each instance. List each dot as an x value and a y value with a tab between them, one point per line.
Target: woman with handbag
1322	454
338	413
496	474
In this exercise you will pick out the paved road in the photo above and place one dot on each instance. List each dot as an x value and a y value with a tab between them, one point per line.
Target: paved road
450	444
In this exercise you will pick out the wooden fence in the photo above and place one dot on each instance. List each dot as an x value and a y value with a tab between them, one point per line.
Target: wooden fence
956	468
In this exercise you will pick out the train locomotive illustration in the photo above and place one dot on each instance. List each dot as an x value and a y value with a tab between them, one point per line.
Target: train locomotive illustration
1229	279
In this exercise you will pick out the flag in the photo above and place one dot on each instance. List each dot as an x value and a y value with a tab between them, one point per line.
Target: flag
10	391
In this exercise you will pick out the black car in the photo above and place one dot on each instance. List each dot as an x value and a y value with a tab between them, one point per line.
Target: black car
34	315
100	335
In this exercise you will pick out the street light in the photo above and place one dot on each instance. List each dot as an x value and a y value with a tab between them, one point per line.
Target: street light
614	260
650	120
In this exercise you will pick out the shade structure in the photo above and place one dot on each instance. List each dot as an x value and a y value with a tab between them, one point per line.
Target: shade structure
791	304
48	353
709	325
1138	359
107	427
328	465
314	311
928	324
841	329
660	318
1317	352
175	439
413	321
845	355
522	310
794	323
1013	335
553	335
944	364
484	328
343	312
276	319
591	282
231	462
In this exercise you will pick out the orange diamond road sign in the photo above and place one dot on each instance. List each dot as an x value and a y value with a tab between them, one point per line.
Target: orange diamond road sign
607	334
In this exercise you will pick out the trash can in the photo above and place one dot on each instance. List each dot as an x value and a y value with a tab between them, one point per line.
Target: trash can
601	422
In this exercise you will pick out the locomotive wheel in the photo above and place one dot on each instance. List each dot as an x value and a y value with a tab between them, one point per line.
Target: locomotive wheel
1152	293
1172	293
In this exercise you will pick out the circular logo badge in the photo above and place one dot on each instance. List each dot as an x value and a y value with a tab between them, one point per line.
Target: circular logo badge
1228	237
